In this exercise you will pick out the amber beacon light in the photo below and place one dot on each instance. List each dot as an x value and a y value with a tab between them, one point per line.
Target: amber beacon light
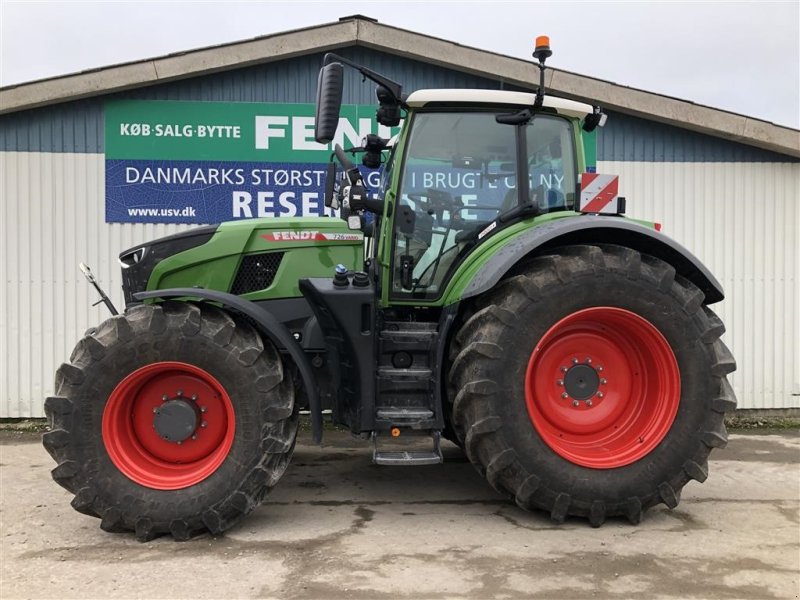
542	50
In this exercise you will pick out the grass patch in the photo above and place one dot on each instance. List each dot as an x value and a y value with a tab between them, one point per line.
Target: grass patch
744	422
33	425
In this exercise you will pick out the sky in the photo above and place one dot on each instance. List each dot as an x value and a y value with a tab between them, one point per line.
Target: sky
738	56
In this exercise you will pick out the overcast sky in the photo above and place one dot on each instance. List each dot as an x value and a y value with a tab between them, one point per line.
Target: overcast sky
739	56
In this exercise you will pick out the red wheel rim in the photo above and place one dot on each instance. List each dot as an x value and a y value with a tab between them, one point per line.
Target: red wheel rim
137	449
602	387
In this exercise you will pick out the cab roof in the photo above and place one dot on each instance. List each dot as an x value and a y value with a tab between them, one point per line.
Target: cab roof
562	106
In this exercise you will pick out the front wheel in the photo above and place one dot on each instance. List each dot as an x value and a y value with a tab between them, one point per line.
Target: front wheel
613	387
172	418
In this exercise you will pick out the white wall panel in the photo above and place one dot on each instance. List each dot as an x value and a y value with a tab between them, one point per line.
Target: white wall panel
51	218
742	219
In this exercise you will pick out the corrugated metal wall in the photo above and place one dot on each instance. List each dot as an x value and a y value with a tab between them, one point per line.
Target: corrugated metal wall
743	221
78	126
52	215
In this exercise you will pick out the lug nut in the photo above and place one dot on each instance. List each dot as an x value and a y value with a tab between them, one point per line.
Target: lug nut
203	409
575	403
194	397
564	369
574	361
565	395
155	410
588	360
164	398
600	394
599	369
194	436
179	442
603	380
560	382
588	403
203	424
180	393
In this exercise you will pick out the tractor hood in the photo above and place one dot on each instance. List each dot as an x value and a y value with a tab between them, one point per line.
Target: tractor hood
256	258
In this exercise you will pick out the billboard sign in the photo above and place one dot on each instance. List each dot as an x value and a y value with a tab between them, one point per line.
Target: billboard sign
207	162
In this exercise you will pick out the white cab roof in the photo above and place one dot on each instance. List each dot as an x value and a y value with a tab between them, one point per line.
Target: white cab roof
570	108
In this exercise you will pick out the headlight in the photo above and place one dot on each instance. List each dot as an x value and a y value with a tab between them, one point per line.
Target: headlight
132	257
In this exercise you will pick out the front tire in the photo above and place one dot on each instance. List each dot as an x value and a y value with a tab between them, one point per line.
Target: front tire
172	418
613	387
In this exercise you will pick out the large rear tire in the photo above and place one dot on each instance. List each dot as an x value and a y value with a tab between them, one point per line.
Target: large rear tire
172	418
591	383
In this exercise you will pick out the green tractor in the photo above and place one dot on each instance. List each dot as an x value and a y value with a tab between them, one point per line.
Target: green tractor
569	350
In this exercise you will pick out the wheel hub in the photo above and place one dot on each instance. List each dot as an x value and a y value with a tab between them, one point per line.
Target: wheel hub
581	382
176	420
602	387
168	425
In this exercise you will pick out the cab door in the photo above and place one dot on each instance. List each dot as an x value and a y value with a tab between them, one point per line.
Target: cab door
460	171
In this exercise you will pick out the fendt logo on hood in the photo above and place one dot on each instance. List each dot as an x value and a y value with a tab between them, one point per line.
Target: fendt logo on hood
292	236
305	236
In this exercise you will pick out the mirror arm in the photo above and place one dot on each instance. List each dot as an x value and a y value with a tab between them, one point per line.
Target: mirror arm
394	88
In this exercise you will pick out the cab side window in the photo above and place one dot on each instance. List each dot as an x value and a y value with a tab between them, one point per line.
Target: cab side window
459	173
551	163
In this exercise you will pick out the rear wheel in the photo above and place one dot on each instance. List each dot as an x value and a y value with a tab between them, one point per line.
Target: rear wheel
172	418
613	386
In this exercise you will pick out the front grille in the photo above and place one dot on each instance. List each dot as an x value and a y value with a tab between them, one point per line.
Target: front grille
256	272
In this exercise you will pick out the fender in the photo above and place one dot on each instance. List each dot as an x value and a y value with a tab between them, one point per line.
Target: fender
269	326
595	229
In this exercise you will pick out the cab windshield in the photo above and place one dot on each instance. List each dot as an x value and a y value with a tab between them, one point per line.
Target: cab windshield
460	173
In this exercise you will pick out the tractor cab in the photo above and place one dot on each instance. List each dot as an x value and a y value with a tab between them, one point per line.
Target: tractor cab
460	174
452	178
467	167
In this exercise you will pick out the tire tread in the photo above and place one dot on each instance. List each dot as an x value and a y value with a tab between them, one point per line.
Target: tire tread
278	409
476	358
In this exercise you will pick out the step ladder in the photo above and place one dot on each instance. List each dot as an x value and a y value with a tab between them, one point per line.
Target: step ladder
399	457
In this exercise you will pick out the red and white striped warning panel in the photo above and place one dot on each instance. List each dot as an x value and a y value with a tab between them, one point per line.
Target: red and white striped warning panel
600	194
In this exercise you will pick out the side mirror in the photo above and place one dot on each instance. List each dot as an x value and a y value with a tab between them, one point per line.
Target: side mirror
329	101
389	110
330	184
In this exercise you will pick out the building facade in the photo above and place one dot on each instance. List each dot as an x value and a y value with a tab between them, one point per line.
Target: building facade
725	186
